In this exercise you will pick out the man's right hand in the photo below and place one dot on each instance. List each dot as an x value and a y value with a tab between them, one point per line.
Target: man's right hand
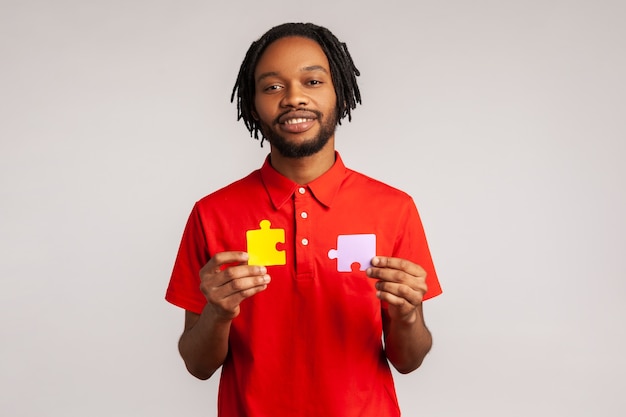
226	280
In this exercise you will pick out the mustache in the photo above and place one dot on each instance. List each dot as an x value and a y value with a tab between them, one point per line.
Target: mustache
301	112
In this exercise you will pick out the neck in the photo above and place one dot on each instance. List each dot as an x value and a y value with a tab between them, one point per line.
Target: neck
304	170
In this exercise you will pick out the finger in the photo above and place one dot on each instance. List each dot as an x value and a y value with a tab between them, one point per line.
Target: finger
230	291
413	296
241	271
244	283
211	280
220	259
397	270
229	306
385	274
397	302
399	308
216	273
397	276
397	263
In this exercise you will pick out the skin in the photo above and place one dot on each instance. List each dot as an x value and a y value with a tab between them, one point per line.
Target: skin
293	74
293	83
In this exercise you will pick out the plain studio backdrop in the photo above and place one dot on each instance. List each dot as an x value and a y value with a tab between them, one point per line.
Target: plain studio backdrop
505	120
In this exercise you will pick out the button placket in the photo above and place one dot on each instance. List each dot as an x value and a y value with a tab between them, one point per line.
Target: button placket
304	255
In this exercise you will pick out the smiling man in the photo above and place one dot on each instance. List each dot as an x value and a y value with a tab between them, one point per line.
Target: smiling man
340	265
296	106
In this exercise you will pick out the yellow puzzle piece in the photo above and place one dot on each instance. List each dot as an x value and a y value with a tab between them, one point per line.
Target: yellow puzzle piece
262	245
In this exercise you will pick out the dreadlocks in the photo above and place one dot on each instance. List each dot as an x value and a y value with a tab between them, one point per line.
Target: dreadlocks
342	69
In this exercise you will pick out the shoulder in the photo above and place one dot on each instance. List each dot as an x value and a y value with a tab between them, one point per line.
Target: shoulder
374	187
233	191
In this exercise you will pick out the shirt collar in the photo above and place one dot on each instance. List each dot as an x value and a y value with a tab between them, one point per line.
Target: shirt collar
324	188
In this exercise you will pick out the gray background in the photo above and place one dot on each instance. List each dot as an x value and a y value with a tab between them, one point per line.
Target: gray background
504	119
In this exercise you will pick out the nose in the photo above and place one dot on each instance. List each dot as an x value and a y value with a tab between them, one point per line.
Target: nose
294	96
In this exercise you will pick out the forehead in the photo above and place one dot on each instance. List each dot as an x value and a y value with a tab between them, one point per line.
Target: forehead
291	54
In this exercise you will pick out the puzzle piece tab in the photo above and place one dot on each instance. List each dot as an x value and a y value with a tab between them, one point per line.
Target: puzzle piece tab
262	245
354	249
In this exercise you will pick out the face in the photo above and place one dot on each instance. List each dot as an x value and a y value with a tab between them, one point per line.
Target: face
295	100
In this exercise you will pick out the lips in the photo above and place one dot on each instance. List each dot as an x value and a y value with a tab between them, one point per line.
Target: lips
297	121
292	116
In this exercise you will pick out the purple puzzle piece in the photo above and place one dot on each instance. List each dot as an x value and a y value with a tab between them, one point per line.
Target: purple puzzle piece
354	249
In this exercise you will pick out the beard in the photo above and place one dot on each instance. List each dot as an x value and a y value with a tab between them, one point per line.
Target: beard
306	148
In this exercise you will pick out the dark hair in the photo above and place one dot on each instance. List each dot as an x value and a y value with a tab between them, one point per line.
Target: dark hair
342	69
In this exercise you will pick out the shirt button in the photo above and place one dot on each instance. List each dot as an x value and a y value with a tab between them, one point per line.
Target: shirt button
301	190
305	241
304	215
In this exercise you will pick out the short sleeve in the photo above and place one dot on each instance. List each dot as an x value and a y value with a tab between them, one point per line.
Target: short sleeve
184	286
413	245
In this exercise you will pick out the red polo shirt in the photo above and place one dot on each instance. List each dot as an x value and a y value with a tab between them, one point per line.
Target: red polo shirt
309	345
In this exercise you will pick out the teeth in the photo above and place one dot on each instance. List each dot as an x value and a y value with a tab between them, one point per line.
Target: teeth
294	121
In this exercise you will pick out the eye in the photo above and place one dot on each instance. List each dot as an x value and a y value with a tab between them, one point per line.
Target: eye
272	88
315	82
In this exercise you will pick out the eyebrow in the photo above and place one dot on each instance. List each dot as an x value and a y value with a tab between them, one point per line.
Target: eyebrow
314	68
310	68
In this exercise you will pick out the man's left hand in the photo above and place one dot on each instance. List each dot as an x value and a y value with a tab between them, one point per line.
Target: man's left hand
401	283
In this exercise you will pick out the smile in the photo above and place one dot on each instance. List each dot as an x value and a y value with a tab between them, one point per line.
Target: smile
296	121
297	124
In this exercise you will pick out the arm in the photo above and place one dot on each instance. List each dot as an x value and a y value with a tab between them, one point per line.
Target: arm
204	342
402	284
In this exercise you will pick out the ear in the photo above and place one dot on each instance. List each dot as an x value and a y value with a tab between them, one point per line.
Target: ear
255	115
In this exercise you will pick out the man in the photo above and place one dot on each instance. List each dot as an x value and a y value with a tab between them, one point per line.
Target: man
305	279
